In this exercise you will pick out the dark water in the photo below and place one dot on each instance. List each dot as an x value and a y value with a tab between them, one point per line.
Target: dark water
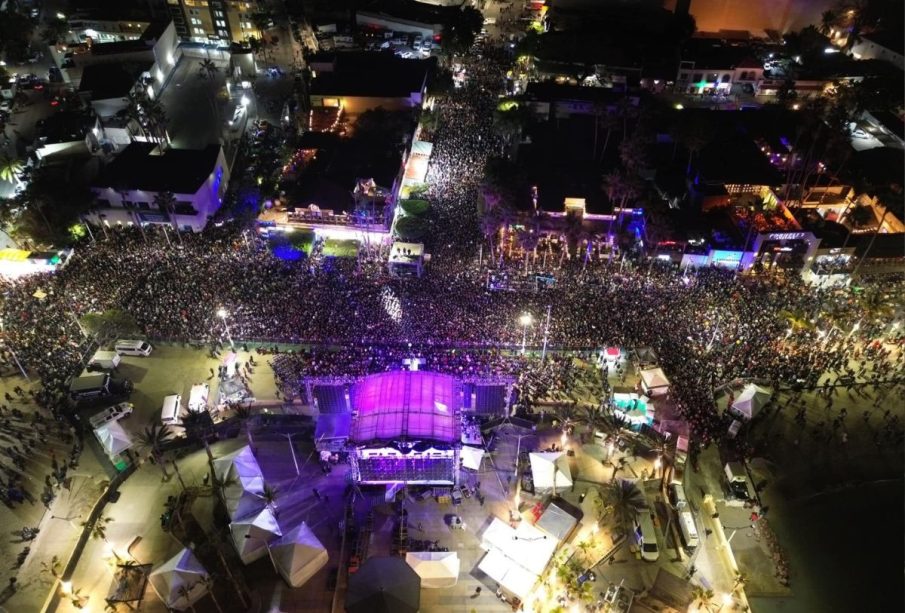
845	549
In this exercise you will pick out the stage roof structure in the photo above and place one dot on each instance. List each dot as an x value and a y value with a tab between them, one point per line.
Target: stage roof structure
406	405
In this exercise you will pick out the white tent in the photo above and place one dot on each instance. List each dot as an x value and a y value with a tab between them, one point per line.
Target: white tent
550	469
654	381
252	534
525	545
437	569
113	438
244	496
179	581
297	555
242	461
511	577
750	401
471	457
556	522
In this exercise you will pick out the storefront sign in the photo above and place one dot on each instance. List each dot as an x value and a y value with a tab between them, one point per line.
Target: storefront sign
787	236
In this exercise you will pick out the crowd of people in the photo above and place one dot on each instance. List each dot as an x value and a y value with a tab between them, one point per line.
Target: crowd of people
708	326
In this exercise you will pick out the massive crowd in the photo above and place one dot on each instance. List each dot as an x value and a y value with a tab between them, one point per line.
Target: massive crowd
708	326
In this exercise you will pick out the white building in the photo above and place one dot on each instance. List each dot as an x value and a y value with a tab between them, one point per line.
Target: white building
126	188
886	46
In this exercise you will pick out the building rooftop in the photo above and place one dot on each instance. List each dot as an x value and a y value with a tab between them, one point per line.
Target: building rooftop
121	46
181	171
381	75
105	81
63	127
713	53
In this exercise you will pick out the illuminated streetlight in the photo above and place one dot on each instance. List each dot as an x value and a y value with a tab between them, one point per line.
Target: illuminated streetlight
222	314
526	321
66	587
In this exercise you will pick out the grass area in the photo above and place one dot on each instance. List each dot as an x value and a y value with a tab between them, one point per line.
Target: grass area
296	245
341	248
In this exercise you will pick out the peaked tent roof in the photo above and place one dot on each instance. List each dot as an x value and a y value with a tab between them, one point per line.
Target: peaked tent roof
179	581
547	466
471	457
298	555
437	569
384	585
654	378
244	496
113	438
244	461
252	534
751	400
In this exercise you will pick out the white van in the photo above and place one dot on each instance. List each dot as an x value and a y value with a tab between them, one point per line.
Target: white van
172	407
104	360
198	397
646	537
140	348
677	496
689	530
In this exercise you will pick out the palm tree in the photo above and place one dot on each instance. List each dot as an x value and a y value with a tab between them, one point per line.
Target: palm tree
198	425
209	70
574	233
10	169
98	527
860	215
754	206
827	23
490	228
527	239
701	595
625	501
185	593
152	440
211	584
166	202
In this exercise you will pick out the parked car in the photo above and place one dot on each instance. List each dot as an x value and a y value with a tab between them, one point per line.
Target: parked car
114	413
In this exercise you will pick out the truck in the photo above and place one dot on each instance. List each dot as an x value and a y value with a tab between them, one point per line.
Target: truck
89	389
104	360
738	484
114	413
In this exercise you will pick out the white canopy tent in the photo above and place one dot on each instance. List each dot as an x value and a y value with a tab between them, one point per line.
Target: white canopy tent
252	534
242	462
556	522
749	403
511	577
654	381
179	581
437	569
525	545
244	497
471	457
298	555
550	469
113	438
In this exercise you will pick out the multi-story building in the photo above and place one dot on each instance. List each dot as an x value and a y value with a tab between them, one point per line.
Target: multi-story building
215	21
127	186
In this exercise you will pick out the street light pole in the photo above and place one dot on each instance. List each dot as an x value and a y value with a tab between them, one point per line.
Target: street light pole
525	320
543	355
221	312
